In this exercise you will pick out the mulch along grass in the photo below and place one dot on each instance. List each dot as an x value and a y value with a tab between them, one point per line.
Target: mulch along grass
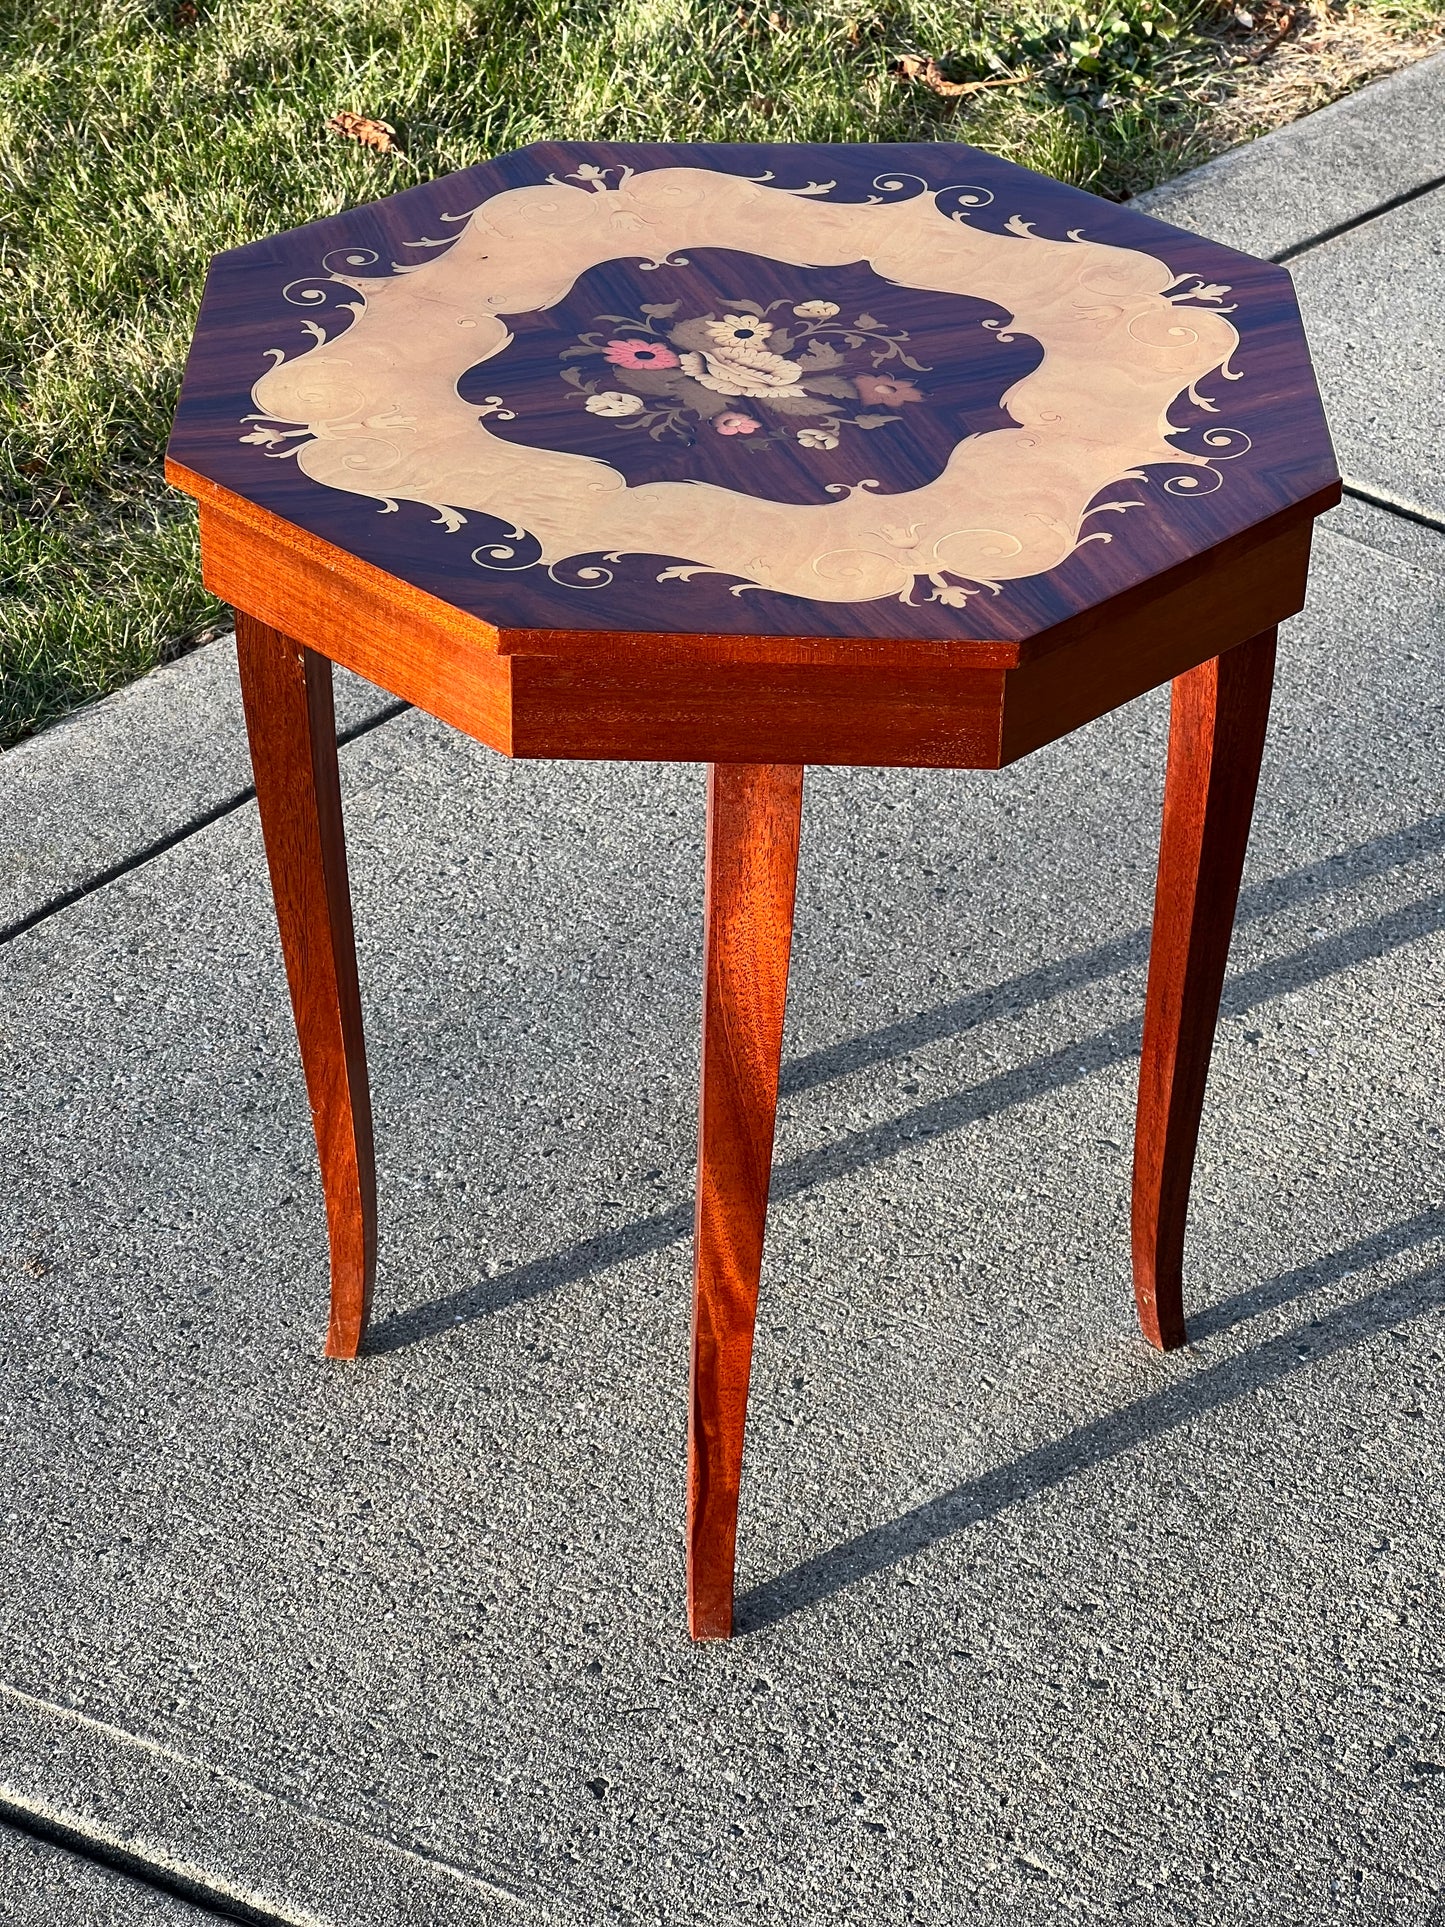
139	137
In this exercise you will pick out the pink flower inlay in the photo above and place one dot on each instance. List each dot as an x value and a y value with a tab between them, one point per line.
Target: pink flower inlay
734	424
885	389
639	354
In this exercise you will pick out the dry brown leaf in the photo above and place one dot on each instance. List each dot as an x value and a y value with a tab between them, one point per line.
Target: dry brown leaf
185	14
375	134
1279	33
926	71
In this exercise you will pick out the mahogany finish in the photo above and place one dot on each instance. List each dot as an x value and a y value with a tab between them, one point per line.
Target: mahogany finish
754	457
1218	716
286	690
753	813
959	705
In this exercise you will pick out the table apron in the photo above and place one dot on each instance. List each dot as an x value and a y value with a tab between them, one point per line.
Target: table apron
937	714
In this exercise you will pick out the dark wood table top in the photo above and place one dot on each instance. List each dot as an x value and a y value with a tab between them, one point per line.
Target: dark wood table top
913	393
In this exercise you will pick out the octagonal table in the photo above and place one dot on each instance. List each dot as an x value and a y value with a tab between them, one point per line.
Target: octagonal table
757	457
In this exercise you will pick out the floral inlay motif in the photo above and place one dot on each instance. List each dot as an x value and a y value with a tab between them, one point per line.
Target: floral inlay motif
386	408
806	371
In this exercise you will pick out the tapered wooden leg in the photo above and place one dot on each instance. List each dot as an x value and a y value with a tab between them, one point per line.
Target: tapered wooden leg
292	727
753	814
1216	738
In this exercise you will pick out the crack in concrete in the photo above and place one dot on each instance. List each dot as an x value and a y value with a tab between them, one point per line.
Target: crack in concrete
153	1871
1358	220
1383	498
150	851
149	1862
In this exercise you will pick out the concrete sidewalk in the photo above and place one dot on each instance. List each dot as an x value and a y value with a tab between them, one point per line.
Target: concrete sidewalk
1037	1625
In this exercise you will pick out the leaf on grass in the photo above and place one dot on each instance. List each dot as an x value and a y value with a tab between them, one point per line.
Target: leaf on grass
375	134
926	71
184	13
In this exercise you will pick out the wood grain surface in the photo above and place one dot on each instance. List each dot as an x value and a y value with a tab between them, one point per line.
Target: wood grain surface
949	705
741	514
753	815
1218	719
292	729
967	496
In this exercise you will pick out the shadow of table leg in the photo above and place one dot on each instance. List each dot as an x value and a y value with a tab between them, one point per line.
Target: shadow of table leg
1216	738
753	815
292	729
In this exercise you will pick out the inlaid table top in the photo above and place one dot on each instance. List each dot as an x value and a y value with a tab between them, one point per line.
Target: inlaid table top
912	393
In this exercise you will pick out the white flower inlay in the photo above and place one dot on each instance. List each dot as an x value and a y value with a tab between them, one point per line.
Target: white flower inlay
740	331
613	402
1119	347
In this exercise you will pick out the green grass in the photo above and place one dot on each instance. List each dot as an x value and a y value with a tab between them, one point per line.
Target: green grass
137	138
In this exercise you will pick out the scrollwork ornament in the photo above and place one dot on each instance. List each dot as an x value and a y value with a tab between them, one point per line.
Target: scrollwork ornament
501	555
1196	482
308	290
1116	323
1225	444
968	197
349	260
1220	444
886	184
590	575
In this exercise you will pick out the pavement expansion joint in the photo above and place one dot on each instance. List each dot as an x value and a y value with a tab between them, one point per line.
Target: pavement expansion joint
139	858
149	1863
1382	498
172	1878
1403	199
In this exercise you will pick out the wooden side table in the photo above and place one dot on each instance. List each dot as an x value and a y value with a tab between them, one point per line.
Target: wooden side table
756	457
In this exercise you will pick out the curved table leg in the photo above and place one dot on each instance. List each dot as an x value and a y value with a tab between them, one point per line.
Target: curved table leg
292	728
753	815
1216	738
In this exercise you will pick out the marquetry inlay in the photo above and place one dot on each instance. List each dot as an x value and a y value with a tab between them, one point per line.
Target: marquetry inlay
759	399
